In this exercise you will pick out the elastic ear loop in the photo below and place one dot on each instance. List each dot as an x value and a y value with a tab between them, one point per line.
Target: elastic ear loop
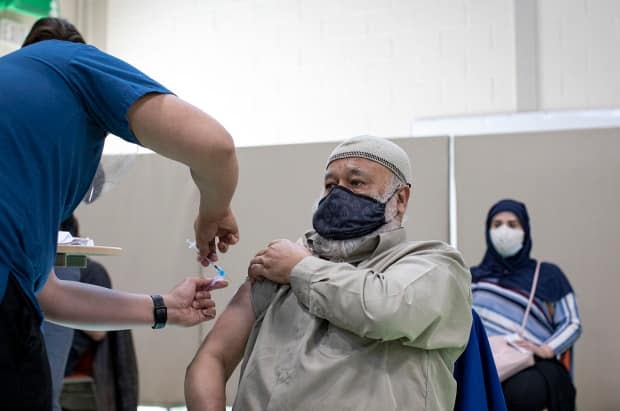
390	198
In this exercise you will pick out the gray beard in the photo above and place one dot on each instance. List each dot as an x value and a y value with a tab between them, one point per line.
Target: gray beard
341	250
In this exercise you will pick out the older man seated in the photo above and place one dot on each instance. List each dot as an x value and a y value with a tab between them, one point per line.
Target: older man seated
353	316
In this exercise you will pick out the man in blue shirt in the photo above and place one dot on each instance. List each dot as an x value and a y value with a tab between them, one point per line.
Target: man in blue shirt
59	98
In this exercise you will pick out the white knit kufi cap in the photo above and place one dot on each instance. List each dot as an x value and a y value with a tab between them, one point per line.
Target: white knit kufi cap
376	149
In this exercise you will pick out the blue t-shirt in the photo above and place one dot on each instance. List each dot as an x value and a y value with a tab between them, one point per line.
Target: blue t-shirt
58	101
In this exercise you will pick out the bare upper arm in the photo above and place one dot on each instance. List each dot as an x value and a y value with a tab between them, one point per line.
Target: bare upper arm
227	339
176	129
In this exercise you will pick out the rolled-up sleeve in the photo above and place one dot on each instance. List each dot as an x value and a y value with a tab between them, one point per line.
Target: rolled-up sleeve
424	301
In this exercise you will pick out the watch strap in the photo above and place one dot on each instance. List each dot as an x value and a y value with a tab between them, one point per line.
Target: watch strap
160	312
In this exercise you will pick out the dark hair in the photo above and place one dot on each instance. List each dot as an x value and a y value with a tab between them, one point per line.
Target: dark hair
53	28
71	225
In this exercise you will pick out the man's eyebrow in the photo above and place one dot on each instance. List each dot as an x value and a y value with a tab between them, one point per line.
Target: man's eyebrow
352	171
356	171
329	175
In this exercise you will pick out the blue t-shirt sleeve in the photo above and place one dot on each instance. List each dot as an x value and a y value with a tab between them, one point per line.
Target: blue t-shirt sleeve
108	87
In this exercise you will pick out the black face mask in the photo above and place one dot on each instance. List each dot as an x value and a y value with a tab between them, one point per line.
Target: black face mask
342	215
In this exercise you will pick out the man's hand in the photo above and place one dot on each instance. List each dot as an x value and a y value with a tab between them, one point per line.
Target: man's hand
542	351
208	229
190	303
276	261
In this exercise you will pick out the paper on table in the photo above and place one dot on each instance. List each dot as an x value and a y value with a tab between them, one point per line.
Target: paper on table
65	237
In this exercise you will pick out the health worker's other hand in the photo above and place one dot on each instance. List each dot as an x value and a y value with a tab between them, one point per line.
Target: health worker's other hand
190	303
276	261
542	351
214	234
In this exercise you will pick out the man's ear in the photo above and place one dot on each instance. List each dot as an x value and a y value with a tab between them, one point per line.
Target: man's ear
402	199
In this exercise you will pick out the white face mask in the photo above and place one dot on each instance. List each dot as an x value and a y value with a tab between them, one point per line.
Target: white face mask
507	241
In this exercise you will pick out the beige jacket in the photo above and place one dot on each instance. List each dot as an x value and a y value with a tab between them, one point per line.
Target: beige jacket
379	335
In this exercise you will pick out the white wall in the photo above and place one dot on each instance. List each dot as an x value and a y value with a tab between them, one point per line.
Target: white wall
275	71
579	59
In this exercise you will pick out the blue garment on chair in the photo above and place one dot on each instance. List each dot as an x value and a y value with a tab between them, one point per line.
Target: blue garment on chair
478	385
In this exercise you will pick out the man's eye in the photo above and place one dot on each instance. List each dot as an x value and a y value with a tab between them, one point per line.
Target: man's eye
329	186
357	183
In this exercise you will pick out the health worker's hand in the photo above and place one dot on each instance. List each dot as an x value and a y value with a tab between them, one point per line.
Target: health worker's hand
214	234
190	303
276	261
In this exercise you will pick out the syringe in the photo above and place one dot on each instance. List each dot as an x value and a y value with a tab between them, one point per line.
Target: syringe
220	271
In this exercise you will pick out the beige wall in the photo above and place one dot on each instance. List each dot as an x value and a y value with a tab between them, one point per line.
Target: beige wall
569	182
150	215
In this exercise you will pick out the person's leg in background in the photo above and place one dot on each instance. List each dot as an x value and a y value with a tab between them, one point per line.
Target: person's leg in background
546	385
562	392
25	382
526	391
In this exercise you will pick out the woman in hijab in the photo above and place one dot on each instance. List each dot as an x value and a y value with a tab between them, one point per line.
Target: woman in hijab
501	286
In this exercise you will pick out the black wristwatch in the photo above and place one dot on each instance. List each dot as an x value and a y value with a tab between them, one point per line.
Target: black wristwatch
160	312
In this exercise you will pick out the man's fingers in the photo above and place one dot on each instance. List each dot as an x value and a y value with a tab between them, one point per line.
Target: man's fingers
203	304
209	284
200	295
259	259
203	261
263	260
223	247
212	251
206	248
261	251
256	270
202	284
232	238
209	313
204	239
226	240
217	283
